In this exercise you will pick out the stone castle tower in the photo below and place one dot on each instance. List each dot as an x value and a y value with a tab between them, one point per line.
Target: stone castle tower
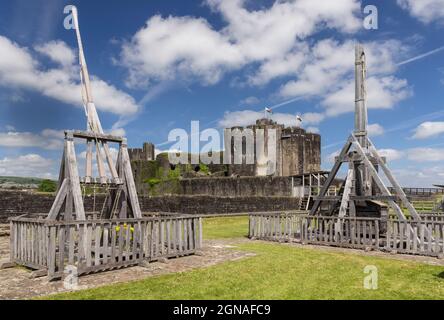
146	153
297	151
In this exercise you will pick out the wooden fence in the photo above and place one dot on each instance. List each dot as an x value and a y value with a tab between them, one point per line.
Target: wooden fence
422	238
99	245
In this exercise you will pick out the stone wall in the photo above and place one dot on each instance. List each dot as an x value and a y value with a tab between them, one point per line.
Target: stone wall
240	187
222	186
15	203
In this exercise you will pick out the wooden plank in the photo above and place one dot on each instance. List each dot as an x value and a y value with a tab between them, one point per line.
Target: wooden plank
121	241
200	233
113	242
180	222
377	234
421	237
162	237
71	244
129	179
61	256
88	240
127	246
58	202
415	239
97	248
52	251
190	235
74	180
185	234
168	236
105	239
136	235
141	240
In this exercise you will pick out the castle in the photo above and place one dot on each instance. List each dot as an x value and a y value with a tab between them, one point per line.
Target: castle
297	151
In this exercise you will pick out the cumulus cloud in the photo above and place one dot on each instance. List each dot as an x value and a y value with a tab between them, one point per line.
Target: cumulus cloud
248	117
414	176
375	130
328	74
250	101
48	139
30	165
313	130
391	154
428	130
426	11
20	69
426	154
182	47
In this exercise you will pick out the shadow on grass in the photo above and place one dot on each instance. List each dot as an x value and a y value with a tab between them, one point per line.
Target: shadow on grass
440	275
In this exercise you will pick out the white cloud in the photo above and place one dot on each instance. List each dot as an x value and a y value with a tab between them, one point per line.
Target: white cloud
250	101
47	139
415	176
313	130
375	130
425	10
248	117
58	52
19	69
428	130
184	47
425	154
30	165
331	158
391	154
328	74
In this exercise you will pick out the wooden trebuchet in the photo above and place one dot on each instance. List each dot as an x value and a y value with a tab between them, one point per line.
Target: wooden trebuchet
363	187
121	196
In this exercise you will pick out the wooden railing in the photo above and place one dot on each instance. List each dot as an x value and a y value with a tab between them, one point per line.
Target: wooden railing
98	245
422	238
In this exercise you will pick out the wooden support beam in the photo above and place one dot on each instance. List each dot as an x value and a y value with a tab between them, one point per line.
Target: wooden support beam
391	178
58	202
129	179
89	135
331	176
88	176
74	180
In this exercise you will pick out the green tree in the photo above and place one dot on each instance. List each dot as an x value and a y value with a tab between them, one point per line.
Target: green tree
47	186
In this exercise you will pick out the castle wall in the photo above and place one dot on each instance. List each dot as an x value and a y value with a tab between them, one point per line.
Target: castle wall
15	203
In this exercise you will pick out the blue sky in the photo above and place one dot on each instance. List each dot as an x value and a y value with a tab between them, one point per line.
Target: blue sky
158	65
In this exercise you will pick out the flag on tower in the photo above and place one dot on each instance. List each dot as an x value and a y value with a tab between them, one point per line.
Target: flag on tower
269	110
299	118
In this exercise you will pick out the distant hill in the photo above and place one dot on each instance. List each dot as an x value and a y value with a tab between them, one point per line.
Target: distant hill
19	182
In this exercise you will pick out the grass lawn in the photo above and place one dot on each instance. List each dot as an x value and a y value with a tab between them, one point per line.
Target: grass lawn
225	228
280	272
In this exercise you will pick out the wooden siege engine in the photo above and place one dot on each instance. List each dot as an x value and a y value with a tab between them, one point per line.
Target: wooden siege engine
116	179
364	193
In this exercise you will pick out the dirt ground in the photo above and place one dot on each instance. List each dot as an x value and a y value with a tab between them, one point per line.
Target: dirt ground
15	283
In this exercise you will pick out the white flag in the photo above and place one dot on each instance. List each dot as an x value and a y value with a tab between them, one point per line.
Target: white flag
268	110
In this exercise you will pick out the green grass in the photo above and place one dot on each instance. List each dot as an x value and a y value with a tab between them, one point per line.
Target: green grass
225	228
284	272
280	272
